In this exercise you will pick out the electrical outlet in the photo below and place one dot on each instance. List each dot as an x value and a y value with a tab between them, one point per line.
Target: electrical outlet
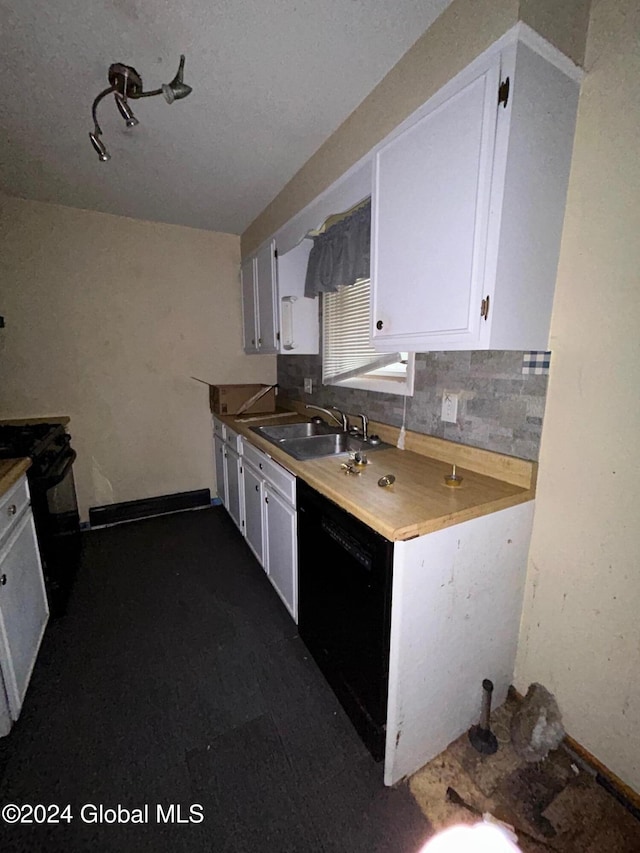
308	386
449	407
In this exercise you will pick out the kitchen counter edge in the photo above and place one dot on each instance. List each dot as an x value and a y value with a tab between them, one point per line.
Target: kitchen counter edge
10	472
319	477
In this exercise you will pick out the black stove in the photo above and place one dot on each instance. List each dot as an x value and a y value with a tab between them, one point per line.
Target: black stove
53	500
30	440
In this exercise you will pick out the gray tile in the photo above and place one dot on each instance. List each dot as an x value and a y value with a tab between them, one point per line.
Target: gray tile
499	409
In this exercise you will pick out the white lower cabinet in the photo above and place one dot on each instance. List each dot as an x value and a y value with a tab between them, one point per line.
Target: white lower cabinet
270	521
235	501
282	549
228	463
221	481
253	501
260	496
23	608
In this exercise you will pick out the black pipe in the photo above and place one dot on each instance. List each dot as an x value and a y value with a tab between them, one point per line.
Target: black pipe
481	736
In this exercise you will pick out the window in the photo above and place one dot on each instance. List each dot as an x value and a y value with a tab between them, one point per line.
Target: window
348	359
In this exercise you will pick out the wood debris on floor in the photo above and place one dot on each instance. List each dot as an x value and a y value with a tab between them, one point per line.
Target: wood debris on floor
552	804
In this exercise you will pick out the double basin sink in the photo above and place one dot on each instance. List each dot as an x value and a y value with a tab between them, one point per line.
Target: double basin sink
306	441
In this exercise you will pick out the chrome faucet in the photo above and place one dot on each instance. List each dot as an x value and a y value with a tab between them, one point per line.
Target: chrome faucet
365	426
342	420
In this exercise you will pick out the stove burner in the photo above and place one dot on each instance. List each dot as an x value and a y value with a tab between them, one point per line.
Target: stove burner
17	440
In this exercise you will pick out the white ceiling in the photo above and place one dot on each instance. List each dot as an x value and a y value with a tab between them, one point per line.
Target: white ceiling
271	81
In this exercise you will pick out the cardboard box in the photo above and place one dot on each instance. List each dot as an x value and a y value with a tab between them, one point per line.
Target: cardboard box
229	399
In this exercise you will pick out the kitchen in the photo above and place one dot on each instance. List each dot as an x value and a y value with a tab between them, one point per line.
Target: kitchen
125	347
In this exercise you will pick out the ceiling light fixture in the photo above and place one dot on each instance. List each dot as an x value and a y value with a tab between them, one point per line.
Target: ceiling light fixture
125	111
126	83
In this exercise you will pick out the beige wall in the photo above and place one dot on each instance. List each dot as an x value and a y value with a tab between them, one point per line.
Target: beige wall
106	320
464	30
563	23
580	632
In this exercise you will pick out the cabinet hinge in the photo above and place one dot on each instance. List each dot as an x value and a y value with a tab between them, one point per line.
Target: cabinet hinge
503	92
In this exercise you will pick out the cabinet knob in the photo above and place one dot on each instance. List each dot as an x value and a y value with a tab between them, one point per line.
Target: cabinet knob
253	342
3	580
260	465
266	500
379	324
12	509
257	488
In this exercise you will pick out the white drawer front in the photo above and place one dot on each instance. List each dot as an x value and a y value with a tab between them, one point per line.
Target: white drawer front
256	457
277	476
13	504
281	480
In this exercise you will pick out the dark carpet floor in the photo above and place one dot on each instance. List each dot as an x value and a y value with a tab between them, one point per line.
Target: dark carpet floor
177	676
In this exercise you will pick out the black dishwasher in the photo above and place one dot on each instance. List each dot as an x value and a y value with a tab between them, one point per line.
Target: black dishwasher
344	609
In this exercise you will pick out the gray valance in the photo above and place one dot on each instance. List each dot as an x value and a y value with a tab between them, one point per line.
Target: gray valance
340	256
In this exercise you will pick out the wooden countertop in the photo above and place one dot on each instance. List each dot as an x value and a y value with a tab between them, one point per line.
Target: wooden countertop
12	469
54	419
10	472
418	502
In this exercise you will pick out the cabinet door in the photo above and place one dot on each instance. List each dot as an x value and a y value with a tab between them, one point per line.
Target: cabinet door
249	316
234	487
23	610
431	199
266	287
281	547
253	510
221	482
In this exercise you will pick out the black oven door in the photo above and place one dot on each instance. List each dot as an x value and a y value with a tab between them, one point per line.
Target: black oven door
55	512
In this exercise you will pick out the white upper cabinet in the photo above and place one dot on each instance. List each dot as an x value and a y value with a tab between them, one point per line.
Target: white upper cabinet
277	318
468	206
266	290
249	313
258	301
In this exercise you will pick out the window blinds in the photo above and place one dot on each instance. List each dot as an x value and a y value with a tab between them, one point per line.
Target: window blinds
346	334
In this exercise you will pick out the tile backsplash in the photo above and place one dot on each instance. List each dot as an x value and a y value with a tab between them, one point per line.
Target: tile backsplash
500	405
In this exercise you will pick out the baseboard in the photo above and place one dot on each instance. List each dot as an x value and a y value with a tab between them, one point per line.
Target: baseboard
147	507
625	795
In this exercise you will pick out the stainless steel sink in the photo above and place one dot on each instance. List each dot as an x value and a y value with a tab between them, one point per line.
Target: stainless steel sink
277	433
312	441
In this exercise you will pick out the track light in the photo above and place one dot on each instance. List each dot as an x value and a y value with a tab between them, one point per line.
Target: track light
177	89
99	146
125	111
126	84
